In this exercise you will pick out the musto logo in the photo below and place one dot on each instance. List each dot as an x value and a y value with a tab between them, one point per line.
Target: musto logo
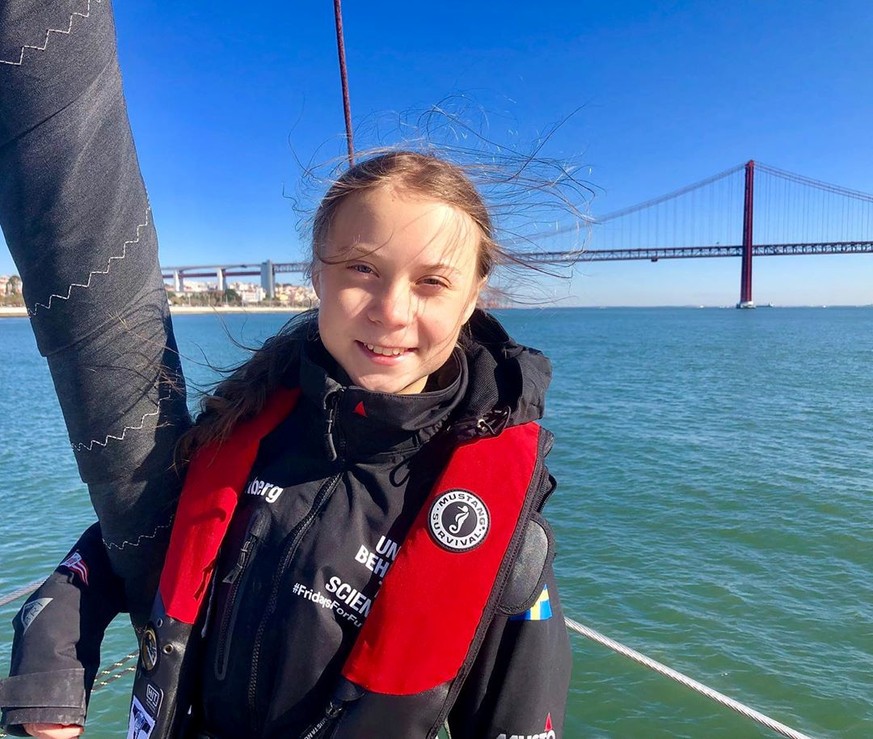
547	733
458	520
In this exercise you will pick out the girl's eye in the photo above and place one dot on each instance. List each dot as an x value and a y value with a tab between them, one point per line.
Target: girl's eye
434	282
362	268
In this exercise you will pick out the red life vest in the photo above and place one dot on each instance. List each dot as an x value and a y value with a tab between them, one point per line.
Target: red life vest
465	538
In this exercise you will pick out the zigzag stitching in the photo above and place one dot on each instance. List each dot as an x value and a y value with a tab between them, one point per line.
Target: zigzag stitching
86	285
111	545
50	31
89	446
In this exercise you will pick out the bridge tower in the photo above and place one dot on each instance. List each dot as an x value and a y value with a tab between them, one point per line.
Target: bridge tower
746	269
268	279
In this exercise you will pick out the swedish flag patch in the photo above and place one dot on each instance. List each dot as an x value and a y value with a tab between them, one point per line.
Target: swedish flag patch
540	611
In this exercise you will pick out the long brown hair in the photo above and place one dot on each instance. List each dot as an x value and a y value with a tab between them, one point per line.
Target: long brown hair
243	393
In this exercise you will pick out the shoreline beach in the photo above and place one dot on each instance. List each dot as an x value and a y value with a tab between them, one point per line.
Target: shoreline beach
21	312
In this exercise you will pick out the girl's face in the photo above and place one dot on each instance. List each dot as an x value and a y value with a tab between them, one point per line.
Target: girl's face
399	280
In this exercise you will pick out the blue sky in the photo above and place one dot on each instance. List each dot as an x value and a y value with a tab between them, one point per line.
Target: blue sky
227	98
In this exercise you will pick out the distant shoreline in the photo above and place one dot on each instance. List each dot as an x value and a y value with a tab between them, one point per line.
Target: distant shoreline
192	310
21	312
11	312
183	310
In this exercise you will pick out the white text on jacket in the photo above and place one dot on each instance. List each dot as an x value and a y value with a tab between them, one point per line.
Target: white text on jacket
352	597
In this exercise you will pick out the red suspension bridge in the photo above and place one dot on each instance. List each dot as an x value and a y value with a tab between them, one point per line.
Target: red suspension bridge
751	210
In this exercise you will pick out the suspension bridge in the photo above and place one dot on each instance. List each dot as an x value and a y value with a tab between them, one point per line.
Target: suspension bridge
751	210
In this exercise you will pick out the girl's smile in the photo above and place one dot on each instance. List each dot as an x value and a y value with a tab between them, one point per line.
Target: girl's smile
397	281
384	351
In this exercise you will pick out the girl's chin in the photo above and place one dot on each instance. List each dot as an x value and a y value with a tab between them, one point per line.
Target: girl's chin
392	385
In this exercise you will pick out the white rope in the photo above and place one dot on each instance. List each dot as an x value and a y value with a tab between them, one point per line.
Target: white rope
585	631
115	671
20	593
724	700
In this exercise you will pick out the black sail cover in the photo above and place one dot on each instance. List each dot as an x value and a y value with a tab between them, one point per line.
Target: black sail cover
76	217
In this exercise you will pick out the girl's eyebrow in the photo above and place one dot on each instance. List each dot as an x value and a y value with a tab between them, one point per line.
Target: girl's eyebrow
359	252
441	267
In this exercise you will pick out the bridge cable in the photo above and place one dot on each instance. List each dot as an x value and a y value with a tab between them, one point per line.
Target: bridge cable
598	221
670	195
801	179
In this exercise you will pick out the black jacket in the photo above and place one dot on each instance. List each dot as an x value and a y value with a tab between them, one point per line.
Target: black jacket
331	496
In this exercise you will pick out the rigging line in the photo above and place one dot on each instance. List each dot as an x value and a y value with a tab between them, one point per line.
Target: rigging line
344	77
688	682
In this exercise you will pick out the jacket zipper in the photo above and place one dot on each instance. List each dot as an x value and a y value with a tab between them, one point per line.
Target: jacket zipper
331	402
236	578
294	541
327	722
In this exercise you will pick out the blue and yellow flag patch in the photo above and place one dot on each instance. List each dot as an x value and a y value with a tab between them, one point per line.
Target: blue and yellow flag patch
540	611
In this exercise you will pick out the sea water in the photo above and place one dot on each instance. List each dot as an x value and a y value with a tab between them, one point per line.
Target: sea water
713	511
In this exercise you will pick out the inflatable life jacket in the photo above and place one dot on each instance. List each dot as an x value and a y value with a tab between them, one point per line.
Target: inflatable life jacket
467	537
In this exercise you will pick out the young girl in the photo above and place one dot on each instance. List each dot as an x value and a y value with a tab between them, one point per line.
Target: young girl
386	446
397	374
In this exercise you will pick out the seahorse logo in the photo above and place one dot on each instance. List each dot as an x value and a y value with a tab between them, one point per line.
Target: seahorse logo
458	520
460	517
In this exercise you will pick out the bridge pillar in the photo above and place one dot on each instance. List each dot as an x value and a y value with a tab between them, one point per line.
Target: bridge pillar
268	279
219	278
748	214
178	285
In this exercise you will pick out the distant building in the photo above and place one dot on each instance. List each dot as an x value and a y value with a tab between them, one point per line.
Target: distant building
10	285
193	286
302	296
249	293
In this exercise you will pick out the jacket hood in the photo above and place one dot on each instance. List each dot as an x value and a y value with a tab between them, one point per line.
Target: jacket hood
508	381
359	423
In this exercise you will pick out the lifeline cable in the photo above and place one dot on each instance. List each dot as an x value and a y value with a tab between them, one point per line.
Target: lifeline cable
20	593
115	673
116	670
688	682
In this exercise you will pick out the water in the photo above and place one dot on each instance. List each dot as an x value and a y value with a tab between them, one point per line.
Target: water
714	507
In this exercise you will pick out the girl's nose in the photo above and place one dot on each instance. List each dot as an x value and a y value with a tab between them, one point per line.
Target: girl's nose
391	307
